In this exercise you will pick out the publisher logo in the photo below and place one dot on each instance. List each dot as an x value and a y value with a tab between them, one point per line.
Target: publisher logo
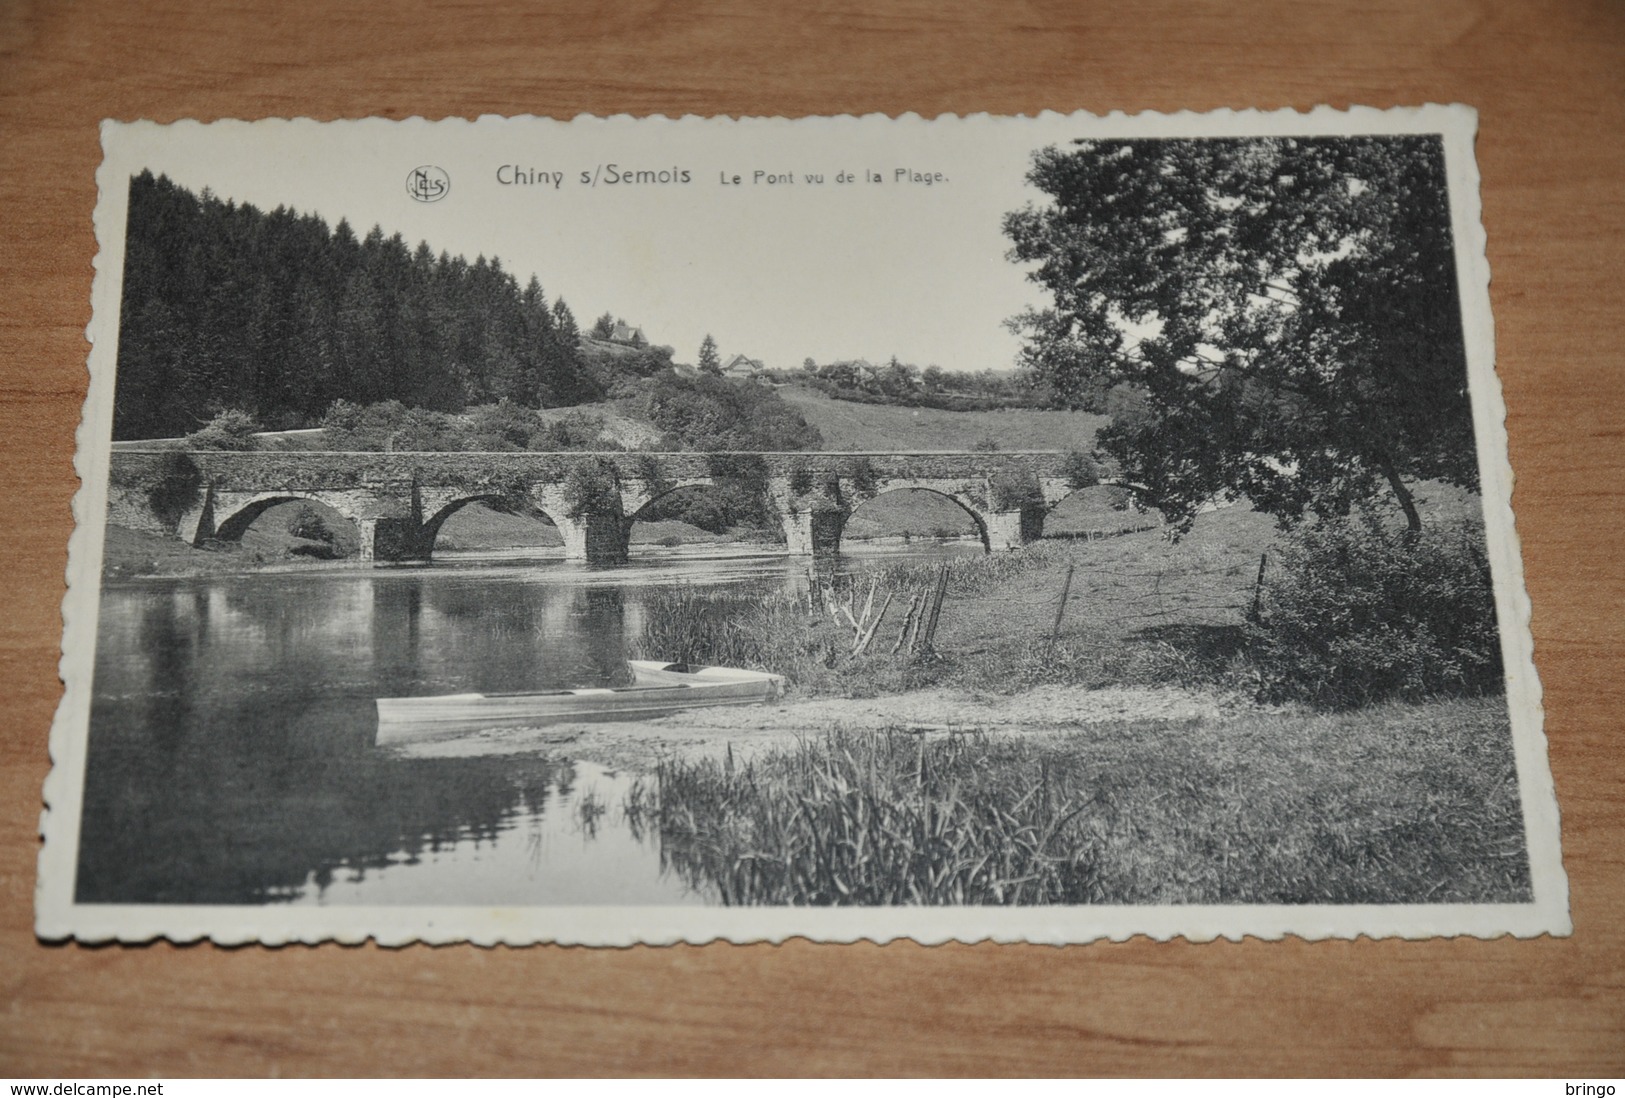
428	183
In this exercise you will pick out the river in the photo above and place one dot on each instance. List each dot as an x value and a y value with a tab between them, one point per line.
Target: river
231	754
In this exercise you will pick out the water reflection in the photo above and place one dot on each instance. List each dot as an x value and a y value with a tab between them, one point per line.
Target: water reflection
231	756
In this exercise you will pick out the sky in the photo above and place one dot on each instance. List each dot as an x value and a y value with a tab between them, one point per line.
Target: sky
779	271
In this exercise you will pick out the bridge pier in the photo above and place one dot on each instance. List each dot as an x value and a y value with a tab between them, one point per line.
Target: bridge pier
1013	529
813	533
596	539
392	539
196	525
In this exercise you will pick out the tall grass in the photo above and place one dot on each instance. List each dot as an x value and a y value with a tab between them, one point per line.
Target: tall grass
795	635
967	575
771	632
1400	803
876	819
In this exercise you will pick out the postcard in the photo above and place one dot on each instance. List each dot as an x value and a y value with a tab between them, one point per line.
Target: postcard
646	530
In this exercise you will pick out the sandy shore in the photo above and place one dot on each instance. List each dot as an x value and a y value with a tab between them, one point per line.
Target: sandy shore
701	733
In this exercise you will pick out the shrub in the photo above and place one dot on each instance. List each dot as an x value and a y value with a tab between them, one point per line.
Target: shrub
741	490
1119	498
573	430
592	487
173	489
697	507
864	478
1080	470
310	524
1357	610
1013	489
230	430
500	426
509	492
713	413
648	468
390	425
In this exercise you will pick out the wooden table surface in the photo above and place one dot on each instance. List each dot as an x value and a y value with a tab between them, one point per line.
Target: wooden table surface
1549	82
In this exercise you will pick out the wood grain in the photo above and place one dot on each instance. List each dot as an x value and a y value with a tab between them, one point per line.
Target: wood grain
1549	81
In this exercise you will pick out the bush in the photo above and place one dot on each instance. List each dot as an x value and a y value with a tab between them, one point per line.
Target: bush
311	524
1014	489
500	426
592	487
695	506
864	478
1080	470
390	425
572	431
713	413
1358	610
230	430
174	487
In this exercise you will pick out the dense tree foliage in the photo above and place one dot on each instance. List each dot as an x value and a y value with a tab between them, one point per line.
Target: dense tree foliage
277	315
714	413
1352	612
1277	317
903	383
504	426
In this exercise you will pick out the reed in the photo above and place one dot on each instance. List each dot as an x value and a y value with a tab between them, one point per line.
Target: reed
877	819
589	810
967	575
840	636
1398	803
768	633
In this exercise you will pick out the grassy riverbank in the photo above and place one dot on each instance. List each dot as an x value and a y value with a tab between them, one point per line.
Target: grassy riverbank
1393	804
1138	610
135	554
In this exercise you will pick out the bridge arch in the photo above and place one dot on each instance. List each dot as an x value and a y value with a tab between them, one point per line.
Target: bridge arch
959	499
639	497
240	513
697	503
430	530
640	503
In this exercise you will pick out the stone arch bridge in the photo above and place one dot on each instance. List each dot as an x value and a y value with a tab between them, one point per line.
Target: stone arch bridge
398	501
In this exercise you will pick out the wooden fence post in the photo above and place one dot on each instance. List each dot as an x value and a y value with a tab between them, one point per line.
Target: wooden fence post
930	632
1066	589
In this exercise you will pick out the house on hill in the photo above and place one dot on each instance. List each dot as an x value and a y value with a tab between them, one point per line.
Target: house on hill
625	333
740	366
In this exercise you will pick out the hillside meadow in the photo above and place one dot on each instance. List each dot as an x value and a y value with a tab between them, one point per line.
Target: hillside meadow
849	425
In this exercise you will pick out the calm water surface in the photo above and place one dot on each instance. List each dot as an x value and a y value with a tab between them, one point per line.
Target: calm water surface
231	755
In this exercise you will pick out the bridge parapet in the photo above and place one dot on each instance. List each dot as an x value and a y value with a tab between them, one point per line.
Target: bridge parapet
270	470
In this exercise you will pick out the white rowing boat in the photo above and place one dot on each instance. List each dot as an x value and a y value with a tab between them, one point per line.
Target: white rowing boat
657	689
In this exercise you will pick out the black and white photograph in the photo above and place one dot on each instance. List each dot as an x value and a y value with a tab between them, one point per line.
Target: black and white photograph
643	530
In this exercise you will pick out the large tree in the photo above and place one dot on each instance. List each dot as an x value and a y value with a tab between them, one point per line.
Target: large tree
1275	317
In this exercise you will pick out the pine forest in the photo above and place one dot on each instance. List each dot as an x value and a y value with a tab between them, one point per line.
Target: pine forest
279	315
